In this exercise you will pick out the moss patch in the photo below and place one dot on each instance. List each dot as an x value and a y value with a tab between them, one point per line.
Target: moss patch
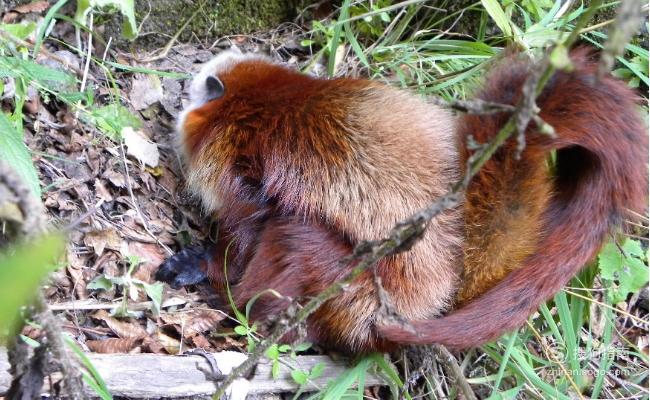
215	18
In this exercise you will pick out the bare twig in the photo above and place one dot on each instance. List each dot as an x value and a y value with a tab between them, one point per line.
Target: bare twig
165	50
135	203
476	106
453	370
89	54
626	23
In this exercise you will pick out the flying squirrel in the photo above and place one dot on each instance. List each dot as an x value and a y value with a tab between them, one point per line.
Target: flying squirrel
299	170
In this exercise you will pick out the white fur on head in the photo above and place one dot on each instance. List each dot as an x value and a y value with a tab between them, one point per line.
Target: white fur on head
203	171
221	63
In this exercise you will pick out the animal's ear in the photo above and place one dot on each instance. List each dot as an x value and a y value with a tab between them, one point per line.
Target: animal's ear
214	88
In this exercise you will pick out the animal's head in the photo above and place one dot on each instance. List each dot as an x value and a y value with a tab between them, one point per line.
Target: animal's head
215	83
242	107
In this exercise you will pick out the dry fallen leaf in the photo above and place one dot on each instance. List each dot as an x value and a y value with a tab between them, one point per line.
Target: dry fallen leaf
151	256
138	146
113	345
153	345
99	240
201	342
79	283
193	322
171	345
123	329
35	7
200	321
102	192
146	89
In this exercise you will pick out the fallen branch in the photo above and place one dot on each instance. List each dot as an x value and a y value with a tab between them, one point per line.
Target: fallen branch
140	376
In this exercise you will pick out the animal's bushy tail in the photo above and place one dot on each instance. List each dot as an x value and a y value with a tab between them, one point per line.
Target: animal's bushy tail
601	169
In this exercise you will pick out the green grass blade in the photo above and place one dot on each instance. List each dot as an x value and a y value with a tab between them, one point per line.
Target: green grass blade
528	371
334	45
93	378
40	36
143	70
606	361
504	362
569	335
498	15
550	321
15	153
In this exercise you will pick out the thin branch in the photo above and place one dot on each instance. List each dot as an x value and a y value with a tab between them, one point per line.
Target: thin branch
476	106
453	370
629	17
135	203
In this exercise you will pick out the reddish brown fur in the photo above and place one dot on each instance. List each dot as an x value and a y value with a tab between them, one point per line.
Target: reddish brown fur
280	150
272	153
602	170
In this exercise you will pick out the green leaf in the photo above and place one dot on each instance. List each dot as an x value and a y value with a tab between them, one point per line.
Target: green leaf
21	31
275	369
125	7
155	292
241	330
317	370
284	348
272	352
498	15
15	153
626	268
22	268
33	71
302	347
101	282
300	377
113	118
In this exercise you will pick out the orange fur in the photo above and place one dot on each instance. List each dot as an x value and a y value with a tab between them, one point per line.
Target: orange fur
300	170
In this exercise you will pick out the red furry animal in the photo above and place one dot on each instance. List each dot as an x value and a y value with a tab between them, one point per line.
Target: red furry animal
299	170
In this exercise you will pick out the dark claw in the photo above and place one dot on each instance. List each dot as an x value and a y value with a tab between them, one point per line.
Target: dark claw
184	268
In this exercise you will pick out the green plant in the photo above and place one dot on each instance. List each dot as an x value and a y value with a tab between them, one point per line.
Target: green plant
22	268
624	268
130	287
125	7
91	376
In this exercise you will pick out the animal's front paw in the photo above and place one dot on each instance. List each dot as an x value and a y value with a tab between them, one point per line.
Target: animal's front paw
186	267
